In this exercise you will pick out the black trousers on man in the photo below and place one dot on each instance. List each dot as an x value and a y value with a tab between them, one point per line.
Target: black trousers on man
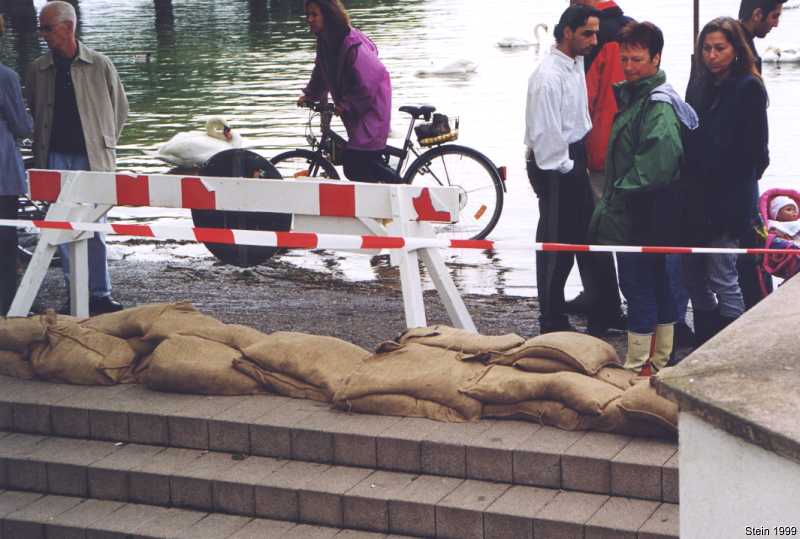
8	254
565	209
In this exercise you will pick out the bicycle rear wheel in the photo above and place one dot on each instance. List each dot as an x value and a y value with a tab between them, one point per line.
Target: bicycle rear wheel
304	164
475	175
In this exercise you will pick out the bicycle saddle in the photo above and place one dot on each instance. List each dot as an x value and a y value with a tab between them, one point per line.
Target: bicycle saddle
424	111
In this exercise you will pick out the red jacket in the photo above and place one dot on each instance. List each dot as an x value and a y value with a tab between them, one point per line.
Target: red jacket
603	71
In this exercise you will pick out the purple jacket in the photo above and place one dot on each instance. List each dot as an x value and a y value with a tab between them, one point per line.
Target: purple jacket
361	87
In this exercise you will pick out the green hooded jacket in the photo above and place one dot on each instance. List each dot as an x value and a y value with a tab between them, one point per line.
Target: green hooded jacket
643	161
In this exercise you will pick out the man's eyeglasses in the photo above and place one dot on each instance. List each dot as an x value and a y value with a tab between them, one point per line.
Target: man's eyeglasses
45	28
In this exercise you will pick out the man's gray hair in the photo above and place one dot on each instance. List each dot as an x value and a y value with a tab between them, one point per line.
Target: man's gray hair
61	11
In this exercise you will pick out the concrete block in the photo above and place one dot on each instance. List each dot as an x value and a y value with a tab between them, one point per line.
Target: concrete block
123	522
354	439
150	428
307	531
636	471
566	514
276	494
6	415
511	515
66	462
215	527
191	487
12	501
443	451
366	505
71	422
31	418
620	518
271	433
537	459
490	455
28	522
663	524
235	492
460	514
23	474
412	508
399	448
356	534
149	412
669	480
321	497
108	477
586	465
72	524
312	440
261	528
109	425
170	523
188	425
150	482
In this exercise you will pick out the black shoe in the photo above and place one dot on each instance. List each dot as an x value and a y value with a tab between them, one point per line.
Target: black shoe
578	305
684	336
599	328
103	304
552	327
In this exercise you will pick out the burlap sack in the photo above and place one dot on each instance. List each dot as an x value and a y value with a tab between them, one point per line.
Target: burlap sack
18	334
78	355
641	402
582	352
280	384
397	376
460	340
16	365
615	419
507	385
304	361
541	365
136	321
186	364
550	413
616	376
141	347
182	322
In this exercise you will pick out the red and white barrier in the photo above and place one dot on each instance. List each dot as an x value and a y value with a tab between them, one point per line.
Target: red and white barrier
306	240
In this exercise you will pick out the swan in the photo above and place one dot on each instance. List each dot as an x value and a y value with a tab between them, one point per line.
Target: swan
194	148
776	55
791	5
519	43
457	67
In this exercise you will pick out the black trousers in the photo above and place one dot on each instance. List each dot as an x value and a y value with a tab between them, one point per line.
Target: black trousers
367	166
565	209
8	254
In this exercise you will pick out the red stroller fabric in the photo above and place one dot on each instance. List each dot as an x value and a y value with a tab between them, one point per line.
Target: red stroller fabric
780	265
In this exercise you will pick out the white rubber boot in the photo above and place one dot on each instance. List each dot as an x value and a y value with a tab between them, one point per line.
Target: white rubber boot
640	350
665	338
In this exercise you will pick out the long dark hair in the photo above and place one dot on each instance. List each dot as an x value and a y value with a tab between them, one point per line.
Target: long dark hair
336	20
745	62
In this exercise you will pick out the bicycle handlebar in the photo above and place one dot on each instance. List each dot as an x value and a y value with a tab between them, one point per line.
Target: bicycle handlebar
318	106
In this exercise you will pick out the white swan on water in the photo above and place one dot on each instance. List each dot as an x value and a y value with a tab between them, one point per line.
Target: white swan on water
777	55
457	67
519	43
195	148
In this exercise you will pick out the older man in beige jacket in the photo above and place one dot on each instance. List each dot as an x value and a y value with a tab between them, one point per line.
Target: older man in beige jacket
79	109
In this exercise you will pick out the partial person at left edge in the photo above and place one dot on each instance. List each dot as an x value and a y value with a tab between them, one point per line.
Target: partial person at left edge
15	122
79	108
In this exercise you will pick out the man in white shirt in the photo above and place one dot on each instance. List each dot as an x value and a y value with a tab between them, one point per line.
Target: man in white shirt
557	120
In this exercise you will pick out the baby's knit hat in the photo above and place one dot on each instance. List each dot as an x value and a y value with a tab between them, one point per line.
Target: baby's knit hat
779	202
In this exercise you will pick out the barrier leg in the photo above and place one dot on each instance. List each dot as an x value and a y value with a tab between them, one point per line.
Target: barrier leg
79	278
411	283
451	298
32	280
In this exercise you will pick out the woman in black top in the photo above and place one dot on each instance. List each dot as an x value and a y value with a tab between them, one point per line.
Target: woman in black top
725	158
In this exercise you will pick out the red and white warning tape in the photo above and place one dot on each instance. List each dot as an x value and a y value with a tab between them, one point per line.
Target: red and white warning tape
306	240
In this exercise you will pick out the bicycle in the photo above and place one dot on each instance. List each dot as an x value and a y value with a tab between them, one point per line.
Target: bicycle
436	162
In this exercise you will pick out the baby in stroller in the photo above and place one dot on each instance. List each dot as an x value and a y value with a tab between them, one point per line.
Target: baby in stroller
780	210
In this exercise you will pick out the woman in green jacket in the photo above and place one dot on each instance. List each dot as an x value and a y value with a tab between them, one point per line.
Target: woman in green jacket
643	202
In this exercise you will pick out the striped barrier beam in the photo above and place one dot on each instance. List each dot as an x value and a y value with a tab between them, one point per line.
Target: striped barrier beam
309	240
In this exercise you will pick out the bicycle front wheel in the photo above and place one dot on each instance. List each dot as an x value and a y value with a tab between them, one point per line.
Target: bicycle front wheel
475	175
304	164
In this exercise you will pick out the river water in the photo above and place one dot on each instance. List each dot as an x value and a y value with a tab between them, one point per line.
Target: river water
249	64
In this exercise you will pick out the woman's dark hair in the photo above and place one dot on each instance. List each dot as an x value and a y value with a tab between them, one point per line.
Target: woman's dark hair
744	63
574	17
747	7
335	17
645	35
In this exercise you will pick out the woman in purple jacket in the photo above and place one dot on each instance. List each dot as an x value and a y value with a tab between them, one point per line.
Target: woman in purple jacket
347	67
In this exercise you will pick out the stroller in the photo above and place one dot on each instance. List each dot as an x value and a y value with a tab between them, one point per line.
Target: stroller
780	265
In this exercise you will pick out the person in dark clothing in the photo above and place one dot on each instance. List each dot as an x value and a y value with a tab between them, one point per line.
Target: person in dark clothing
725	157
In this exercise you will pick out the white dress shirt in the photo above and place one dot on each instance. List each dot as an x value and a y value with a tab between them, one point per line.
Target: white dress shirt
557	110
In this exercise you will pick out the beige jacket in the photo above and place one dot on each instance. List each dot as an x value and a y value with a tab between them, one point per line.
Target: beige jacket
102	105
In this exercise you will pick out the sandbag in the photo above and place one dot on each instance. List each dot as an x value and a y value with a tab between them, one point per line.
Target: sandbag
187	364
303	361
79	355
582	352
280	384
615	419
507	385
397	376
617	376
16	365
181	322
460	340
542	365
641	402
550	413
18	334
136	321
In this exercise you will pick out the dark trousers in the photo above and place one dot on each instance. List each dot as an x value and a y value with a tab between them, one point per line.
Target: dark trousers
646	284
367	166
747	267
565	209
8	254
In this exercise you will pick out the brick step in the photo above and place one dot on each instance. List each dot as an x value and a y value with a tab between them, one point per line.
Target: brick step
513	452
30	515
320	494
